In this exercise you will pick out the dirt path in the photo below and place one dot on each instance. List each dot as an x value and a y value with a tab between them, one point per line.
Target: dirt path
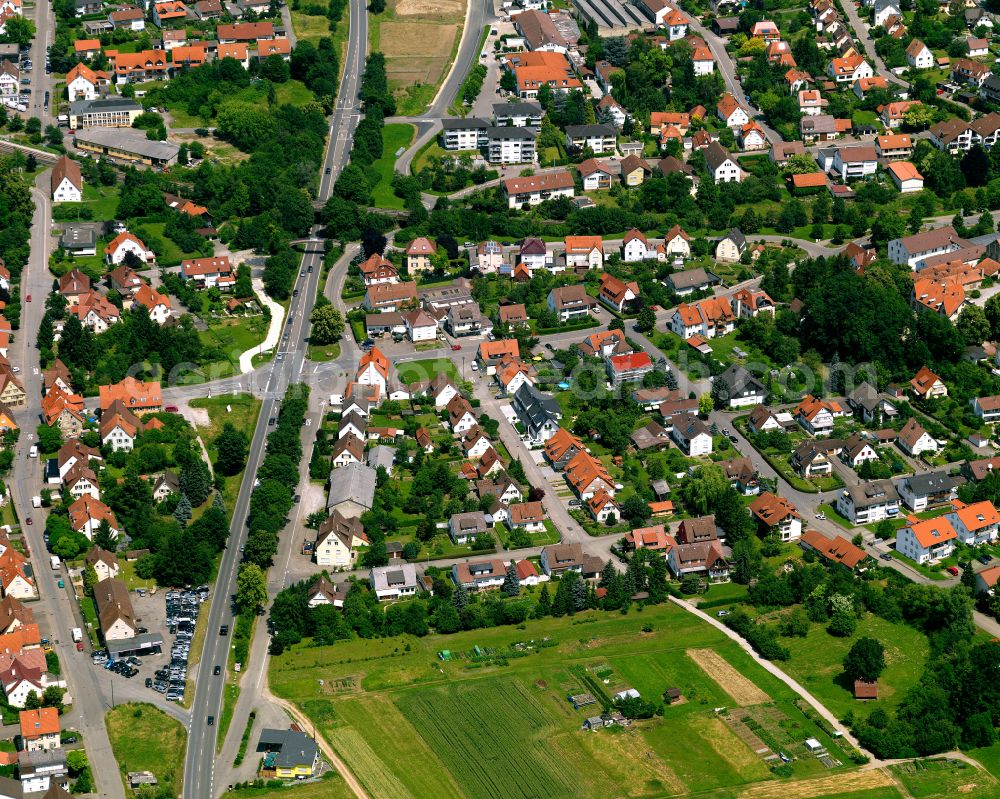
325	747
818	706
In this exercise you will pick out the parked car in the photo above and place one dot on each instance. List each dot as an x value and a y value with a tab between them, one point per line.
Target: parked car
953	570
722	613
984	559
456	347
886	556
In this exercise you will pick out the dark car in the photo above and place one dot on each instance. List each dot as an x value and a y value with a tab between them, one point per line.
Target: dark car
211	721
224	629
217	671
70	739
984	559
270	422
886	556
149	682
327	172
29	520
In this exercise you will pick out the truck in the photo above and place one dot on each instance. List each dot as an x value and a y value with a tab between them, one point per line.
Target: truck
54	560
36	502
77	635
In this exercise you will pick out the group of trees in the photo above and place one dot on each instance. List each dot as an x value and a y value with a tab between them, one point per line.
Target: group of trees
453	608
278	475
179	553
356	181
98	359
951	705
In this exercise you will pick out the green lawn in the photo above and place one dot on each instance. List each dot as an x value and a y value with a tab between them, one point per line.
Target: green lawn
145	738
101	200
310	28
393	137
230	338
990	758
323	352
411	371
330	786
230	696
817	662
492	721
240	410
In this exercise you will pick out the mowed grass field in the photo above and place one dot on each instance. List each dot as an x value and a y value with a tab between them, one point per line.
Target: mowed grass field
426	369
394	136
411	725
144	738
419	39
817	663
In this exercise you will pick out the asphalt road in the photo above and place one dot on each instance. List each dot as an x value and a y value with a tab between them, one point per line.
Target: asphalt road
480	13
287	368
45	26
199	767
56	611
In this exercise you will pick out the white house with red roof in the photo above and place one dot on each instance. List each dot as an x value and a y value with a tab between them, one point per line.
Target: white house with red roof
677	243
627	368
125	243
616	293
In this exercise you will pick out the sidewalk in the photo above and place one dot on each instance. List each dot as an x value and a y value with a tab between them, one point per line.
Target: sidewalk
273	332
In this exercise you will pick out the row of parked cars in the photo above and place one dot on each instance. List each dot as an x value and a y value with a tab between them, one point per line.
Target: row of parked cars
182	614
127	667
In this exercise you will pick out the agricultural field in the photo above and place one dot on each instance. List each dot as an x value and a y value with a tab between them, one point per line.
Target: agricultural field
941	779
419	39
495	722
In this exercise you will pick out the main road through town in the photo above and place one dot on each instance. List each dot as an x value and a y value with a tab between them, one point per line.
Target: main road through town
287	368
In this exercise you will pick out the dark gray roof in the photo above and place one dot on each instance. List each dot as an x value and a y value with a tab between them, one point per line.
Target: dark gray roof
688	426
510	132
716	155
535	407
291	748
352	483
103	104
866	396
692	278
736	237
78	236
736	379
516	109
932	482
462	124
874	492
584	131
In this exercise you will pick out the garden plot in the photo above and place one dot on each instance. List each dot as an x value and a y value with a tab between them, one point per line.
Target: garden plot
742	690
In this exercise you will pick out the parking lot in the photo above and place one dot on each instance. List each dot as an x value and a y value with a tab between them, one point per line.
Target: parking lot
172	614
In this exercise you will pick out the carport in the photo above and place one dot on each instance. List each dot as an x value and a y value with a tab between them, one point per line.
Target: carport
145	644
